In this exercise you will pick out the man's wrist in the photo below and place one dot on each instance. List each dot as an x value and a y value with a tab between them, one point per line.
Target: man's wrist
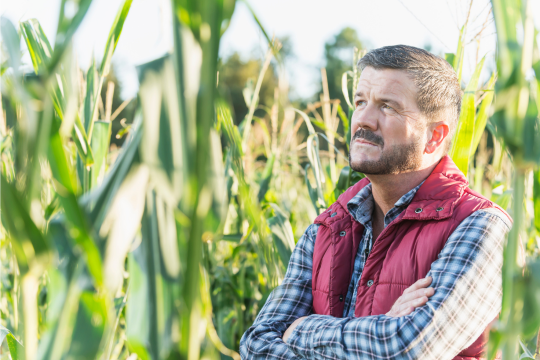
298	341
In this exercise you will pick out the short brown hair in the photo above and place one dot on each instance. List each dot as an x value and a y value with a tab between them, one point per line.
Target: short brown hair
439	91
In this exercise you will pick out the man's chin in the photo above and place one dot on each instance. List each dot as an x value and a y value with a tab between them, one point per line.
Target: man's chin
367	167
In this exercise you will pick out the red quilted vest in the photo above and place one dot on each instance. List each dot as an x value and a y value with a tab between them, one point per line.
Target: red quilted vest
401	255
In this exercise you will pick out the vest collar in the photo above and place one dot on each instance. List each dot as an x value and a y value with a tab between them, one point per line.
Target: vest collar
434	200
439	194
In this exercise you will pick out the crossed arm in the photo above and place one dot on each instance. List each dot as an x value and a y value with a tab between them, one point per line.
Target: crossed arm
467	283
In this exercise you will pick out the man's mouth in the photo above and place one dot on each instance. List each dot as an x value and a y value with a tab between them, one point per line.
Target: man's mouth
365	142
364	136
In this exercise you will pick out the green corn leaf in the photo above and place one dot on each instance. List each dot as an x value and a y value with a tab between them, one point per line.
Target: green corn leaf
67	189
114	36
265	33
72	13
12	342
266	177
531	307
112	41
233	138
506	14
22	228
495	340
282	234
168	238
100	199
150	296
450	58
345	121
315	162
100	147
3	333
458	58
91	96
215	220
313	193
13	346
12	43
121	224
40	51
462	143
536	199
91	322
347	178
482	116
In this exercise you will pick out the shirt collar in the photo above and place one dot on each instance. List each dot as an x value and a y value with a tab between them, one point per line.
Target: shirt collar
361	205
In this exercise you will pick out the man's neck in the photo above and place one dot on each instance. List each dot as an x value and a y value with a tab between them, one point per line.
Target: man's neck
388	189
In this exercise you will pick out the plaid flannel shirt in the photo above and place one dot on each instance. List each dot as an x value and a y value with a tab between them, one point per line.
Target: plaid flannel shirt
466	279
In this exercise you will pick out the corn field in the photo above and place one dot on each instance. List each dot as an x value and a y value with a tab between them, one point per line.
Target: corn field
168	247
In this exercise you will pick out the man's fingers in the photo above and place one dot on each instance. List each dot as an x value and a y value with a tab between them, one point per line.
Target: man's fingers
405	312
414	303
422	283
415	295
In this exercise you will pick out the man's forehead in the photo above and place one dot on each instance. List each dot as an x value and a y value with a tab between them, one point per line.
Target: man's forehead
388	81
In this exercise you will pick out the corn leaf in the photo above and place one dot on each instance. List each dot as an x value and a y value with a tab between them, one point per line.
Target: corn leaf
458	58
12	342
462	144
22	228
482	116
281	233
91	96
114	36
100	146
112	41
12	43
266	177
13	346
72	13
64	175
41	52
91	321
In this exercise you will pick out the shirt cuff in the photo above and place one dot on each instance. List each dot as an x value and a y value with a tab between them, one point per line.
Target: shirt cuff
309	339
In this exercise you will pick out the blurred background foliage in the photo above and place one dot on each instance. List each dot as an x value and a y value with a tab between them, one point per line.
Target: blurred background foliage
156	227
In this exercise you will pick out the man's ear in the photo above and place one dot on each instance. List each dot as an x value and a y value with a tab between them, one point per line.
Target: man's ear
439	132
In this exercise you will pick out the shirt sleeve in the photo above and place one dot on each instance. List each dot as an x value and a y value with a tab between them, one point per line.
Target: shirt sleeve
287	302
468	292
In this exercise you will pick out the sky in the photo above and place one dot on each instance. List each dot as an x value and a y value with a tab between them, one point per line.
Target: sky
308	23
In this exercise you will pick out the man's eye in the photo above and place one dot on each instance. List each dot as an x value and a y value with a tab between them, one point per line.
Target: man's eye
360	103
385	106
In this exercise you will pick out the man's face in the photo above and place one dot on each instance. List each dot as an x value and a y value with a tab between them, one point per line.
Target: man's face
388	130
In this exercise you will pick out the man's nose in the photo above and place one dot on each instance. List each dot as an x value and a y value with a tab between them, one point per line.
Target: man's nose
366	118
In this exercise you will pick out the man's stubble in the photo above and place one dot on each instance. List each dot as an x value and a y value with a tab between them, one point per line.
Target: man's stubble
393	160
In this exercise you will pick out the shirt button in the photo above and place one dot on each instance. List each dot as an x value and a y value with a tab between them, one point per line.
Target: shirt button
342	233
418	211
340	297
334	214
370	282
440	208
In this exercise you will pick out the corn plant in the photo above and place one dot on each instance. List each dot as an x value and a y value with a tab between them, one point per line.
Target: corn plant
169	248
516	123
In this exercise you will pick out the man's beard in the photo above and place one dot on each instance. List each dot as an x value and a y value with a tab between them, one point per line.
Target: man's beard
394	160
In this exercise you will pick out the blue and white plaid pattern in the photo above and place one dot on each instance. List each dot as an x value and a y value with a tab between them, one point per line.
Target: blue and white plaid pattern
467	282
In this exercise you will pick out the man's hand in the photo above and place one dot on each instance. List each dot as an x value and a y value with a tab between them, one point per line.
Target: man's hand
291	328
414	296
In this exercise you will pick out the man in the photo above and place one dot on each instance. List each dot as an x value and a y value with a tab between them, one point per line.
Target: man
358	282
